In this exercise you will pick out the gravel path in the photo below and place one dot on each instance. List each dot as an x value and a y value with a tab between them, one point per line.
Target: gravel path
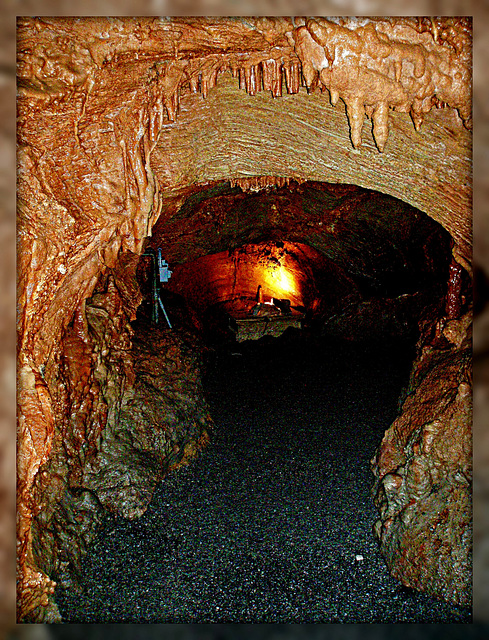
272	523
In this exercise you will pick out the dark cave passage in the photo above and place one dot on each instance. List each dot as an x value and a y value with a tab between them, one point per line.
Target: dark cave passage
235	474
272	522
350	261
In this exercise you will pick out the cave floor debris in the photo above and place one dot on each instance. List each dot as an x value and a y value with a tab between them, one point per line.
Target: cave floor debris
268	524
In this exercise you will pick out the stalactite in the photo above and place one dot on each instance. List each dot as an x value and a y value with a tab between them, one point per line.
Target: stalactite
172	104
171	75
250	80
272	76
292	77
310	75
242	78
417	119
257	183
209	77
194	81
356	113
204	85
380	118
267	74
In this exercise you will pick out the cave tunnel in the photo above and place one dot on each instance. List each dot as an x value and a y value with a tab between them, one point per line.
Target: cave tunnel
245	398
318	248
305	352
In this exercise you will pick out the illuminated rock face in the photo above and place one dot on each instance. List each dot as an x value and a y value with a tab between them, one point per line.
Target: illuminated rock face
250	275
122	124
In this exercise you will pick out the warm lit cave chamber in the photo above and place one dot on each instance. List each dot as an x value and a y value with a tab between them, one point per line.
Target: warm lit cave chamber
204	224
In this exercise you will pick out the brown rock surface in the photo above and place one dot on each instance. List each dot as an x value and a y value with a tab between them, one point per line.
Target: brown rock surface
134	410
423	471
110	140
162	421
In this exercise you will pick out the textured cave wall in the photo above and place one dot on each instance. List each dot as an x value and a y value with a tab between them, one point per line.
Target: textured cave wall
126	412
76	389
110	138
423	469
85	377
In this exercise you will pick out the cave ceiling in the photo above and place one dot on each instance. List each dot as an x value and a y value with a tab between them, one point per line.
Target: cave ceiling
122	115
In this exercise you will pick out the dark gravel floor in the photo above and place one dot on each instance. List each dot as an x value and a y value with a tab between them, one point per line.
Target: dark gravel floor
268	525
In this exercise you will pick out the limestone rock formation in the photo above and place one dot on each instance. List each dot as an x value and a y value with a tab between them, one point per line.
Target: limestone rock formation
122	124
424	472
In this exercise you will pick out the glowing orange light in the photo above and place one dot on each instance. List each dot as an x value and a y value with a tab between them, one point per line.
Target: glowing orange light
280	282
285	281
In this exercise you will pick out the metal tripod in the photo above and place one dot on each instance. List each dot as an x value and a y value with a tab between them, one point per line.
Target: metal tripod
160	274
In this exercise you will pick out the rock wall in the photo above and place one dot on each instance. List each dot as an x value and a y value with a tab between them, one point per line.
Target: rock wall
130	408
78	390
423	469
162	422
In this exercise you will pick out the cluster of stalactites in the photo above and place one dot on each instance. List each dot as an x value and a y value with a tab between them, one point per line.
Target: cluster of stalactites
374	65
380	66
258	183
277	74
373	68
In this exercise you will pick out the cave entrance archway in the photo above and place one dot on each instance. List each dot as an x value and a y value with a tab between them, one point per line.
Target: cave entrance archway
275	513
297	418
